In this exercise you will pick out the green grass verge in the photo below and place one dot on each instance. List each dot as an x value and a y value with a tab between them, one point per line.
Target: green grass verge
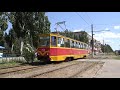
9	64
117	58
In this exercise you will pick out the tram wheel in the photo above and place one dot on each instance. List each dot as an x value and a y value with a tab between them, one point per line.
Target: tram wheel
68	59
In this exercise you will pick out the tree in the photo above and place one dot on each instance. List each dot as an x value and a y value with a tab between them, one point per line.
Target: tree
28	25
26	29
3	26
83	37
67	33
75	37
42	25
106	48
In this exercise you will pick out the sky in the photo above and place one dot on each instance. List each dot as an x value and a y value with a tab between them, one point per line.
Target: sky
106	25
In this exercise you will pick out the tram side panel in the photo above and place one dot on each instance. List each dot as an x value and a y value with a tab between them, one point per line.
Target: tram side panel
60	54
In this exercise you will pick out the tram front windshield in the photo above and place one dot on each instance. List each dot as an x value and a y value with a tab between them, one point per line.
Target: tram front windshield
45	41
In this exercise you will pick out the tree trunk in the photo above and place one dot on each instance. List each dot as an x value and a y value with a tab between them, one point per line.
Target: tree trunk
12	48
21	45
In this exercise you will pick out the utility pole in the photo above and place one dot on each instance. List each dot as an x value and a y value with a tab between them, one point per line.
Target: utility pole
92	41
103	47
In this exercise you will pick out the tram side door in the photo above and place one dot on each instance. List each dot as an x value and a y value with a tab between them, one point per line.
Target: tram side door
54	45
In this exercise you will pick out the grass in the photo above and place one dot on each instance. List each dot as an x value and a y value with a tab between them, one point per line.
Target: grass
117	57
13	63
9	64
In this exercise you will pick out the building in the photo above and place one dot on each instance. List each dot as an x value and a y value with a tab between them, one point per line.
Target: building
97	44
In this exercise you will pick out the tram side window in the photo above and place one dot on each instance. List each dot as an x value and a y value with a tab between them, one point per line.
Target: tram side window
72	44
81	45
76	44
53	41
59	41
62	42
67	43
85	46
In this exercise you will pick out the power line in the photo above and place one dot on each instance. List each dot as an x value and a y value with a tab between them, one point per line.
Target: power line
89	17
82	18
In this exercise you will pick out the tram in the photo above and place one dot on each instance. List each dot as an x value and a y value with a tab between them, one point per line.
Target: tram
56	47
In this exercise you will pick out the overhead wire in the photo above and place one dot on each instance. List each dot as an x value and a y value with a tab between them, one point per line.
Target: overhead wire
82	17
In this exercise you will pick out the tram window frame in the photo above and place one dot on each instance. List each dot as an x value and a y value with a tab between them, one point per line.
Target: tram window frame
53	41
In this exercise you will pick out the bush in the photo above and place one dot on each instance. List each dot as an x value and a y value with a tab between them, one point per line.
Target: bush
28	53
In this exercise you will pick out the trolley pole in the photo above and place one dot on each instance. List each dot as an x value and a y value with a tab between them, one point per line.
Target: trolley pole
92	41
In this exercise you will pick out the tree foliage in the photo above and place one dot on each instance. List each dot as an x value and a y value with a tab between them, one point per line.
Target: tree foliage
67	33
26	29
106	48
83	37
29	25
3	26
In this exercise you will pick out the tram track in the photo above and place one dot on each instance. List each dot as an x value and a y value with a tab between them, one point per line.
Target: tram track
84	69
16	70
11	66
69	71
19	69
50	71
61	72
38	69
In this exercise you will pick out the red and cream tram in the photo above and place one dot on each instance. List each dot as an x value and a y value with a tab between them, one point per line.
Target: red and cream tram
55	47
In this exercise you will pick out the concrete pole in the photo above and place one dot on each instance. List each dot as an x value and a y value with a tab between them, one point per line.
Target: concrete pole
92	42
